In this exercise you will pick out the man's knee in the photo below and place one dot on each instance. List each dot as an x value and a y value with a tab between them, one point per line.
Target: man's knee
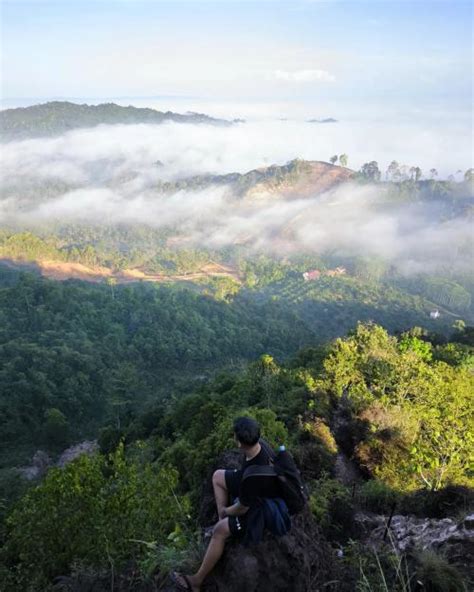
218	478
221	529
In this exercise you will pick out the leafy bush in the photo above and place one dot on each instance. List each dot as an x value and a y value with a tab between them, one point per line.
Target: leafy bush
417	412
452	500
381	570
330	504
95	509
376	496
316	453
435	574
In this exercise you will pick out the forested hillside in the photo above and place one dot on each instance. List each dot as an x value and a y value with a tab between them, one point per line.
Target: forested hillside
73	355
408	421
57	117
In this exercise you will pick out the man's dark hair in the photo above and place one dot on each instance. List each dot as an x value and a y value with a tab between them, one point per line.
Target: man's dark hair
247	431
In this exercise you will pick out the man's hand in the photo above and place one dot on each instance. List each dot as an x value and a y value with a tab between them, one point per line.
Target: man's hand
236	510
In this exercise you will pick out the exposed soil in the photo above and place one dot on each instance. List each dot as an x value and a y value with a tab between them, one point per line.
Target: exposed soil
61	270
320	178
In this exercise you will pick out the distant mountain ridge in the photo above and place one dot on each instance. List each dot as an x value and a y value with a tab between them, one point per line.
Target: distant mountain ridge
295	179
325	120
57	117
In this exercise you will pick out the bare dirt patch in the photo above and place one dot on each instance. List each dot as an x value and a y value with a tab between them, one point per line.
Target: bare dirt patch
61	270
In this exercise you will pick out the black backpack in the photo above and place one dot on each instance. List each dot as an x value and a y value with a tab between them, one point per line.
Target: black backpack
292	487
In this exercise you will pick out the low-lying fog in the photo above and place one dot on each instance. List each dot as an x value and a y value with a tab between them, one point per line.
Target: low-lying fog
111	172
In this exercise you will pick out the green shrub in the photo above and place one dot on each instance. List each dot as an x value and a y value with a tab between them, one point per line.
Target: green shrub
91	511
330	504
435	574
375	571
314	460
376	496
316	454
449	501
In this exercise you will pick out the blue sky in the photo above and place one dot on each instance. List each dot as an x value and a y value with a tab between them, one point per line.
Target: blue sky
377	55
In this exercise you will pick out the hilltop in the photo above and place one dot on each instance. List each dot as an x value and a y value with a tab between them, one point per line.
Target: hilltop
57	117
295	179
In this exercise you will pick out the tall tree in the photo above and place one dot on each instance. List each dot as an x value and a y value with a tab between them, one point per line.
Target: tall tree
393	171
343	159
333	159
370	170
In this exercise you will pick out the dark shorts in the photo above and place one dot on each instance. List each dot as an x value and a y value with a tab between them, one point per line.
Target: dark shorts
237	524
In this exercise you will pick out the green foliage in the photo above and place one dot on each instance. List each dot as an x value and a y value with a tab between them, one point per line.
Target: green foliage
322	433
317	448
73	358
209	433
322	492
452	500
181	548
407	412
382	570
385	570
330	504
343	160
273	431
370	171
330	306
376	496
417	412
55	428
435	574
224	288
12	486
410	343
441	290
262	271
27	246
455	354
94	510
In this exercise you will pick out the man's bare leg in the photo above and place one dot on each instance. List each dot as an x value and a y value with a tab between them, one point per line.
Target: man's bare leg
220	491
213	554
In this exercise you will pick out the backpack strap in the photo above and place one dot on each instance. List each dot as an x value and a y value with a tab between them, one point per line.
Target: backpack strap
259	471
268	449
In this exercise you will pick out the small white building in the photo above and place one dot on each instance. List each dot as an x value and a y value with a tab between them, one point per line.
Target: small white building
434	314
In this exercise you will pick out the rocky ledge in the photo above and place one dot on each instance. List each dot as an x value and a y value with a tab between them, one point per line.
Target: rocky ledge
453	539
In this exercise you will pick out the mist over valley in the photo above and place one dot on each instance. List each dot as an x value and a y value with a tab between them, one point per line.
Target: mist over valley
214	185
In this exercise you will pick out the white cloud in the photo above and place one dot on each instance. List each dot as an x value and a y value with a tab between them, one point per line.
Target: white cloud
84	156
112	176
304	75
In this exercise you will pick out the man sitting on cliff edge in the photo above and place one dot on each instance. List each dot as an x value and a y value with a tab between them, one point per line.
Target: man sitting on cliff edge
227	483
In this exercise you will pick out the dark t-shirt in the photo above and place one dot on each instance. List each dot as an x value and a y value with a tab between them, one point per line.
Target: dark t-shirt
262	458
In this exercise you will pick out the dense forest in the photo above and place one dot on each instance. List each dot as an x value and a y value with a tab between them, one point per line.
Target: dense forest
90	352
157	371
408	418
